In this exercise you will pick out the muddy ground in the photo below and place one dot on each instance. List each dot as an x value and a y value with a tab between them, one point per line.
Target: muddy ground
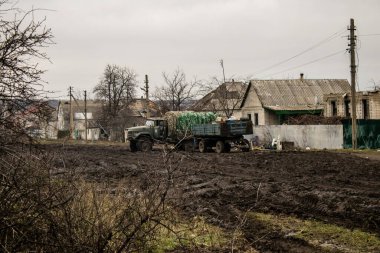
338	188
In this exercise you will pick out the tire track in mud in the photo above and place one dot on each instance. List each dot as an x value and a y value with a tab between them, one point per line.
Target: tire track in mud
333	187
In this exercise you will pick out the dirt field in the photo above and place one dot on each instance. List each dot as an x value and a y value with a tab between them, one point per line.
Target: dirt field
336	188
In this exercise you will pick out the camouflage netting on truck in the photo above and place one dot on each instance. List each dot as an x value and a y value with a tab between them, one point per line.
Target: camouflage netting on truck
180	123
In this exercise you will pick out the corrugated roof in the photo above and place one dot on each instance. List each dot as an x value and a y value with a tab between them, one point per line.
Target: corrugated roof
297	94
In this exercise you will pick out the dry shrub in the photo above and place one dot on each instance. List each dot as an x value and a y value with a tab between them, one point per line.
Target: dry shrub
28	195
44	211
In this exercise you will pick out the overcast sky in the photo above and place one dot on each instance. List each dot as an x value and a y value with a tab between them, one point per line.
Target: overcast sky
152	36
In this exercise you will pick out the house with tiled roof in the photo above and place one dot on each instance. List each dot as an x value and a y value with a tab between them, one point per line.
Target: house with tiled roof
271	102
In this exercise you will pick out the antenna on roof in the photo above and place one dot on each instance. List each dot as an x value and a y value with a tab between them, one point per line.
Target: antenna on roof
221	64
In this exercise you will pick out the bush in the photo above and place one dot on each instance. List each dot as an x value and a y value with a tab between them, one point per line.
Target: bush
63	134
42	209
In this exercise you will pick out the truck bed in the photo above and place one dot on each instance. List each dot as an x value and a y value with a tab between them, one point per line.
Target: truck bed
233	128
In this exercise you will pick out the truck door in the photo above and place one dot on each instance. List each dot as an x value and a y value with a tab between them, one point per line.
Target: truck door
159	130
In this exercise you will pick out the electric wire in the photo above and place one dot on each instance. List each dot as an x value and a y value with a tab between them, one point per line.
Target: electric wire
331	37
307	63
368	35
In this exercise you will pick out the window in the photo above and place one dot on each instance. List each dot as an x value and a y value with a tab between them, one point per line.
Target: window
249	116
334	110
365	108
256	119
347	108
149	123
81	115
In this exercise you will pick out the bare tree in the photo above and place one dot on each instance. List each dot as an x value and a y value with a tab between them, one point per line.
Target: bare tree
176	91
22	39
116	90
376	85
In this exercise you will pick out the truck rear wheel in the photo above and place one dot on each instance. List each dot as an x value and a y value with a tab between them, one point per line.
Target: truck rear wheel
227	147
246	146
188	146
219	147
145	145
202	146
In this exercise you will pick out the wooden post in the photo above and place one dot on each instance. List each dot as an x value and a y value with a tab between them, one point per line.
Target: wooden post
147	97
71	113
85	114
353	83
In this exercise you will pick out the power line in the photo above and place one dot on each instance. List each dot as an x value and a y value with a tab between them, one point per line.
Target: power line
331	37
310	62
367	35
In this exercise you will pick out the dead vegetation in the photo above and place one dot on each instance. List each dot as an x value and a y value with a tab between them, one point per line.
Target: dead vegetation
309	119
43	208
222	189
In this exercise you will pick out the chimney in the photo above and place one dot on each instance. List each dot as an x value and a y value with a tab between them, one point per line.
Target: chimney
301	76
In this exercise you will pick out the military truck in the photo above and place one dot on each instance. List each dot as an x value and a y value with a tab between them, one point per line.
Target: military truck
191	131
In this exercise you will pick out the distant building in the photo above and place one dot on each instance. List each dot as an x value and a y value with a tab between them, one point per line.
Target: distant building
137	112
94	128
367	105
225	100
37	118
97	125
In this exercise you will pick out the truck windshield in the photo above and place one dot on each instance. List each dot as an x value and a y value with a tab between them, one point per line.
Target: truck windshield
149	123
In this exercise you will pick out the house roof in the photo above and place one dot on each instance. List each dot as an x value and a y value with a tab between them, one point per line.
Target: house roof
53	104
296	94
92	106
137	108
210	101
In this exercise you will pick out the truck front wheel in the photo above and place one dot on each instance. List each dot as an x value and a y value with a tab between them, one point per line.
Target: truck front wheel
145	145
133	146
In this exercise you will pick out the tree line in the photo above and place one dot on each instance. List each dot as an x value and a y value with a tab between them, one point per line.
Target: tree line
22	42
117	89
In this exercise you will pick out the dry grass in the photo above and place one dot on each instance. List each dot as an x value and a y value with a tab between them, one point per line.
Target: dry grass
329	237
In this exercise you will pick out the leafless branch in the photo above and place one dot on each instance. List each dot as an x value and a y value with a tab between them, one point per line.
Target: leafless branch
22	40
176	91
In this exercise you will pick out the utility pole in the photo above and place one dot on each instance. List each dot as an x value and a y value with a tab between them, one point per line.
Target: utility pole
71	113
352	45
146	89
85	113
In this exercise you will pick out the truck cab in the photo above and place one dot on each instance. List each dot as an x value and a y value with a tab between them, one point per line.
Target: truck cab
142	137
159	127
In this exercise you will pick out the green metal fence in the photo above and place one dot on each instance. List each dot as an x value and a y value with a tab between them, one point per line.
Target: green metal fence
368	134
